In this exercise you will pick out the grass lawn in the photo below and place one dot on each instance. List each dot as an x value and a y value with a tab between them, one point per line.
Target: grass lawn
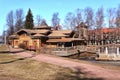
13	67
4	48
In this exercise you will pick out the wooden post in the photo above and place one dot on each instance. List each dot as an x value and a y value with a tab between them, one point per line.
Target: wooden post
72	44
99	51
13	43
106	51
117	50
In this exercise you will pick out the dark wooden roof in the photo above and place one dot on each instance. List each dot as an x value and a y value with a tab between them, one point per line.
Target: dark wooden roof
13	36
33	31
38	35
64	40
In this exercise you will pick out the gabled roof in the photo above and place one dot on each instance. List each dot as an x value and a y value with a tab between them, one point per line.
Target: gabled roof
13	36
40	31
42	27
33	31
38	35
57	34
43	23
25	30
82	25
60	33
63	31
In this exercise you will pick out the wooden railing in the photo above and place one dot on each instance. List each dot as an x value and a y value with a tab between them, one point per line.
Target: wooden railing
68	50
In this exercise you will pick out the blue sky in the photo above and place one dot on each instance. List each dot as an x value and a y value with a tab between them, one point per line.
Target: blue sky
46	8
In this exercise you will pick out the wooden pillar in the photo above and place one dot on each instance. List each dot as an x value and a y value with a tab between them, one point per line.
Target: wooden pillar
106	50
72	44
98	51
13	43
57	44
62	45
117	50
39	45
102	42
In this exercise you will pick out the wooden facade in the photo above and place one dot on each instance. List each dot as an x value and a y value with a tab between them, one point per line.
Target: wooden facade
31	39
26	40
44	36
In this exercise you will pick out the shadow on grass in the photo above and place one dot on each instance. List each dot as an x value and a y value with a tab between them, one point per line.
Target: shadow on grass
9	51
75	75
19	51
11	61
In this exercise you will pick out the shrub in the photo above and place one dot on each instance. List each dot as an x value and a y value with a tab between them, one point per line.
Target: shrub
23	46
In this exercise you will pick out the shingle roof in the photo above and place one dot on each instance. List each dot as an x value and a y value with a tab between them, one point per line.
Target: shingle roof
57	34
59	40
63	31
34	31
53	40
64	40
13	36
42	27
40	31
60	33
38	35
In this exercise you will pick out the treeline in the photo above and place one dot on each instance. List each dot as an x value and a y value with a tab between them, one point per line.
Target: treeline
95	20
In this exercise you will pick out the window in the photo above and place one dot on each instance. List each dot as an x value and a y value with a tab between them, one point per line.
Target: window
16	42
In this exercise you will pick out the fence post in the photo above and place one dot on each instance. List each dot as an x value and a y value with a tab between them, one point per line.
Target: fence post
98	51
106	51
117	50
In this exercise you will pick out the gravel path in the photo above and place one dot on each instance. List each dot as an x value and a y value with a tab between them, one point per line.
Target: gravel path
88	69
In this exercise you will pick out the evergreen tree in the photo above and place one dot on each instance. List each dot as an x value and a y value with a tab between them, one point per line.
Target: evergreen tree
29	20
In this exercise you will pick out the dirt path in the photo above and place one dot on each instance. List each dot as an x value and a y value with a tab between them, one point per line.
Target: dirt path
89	70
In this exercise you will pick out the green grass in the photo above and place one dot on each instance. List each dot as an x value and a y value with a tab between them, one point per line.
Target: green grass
13	67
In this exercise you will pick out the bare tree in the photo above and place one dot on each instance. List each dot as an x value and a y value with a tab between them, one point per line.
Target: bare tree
111	17
117	22
89	17
19	23
56	21
70	22
43	22
38	20
99	22
99	18
10	23
78	18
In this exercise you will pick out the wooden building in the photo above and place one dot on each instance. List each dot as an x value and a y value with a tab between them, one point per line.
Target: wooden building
31	39
63	38
44	36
